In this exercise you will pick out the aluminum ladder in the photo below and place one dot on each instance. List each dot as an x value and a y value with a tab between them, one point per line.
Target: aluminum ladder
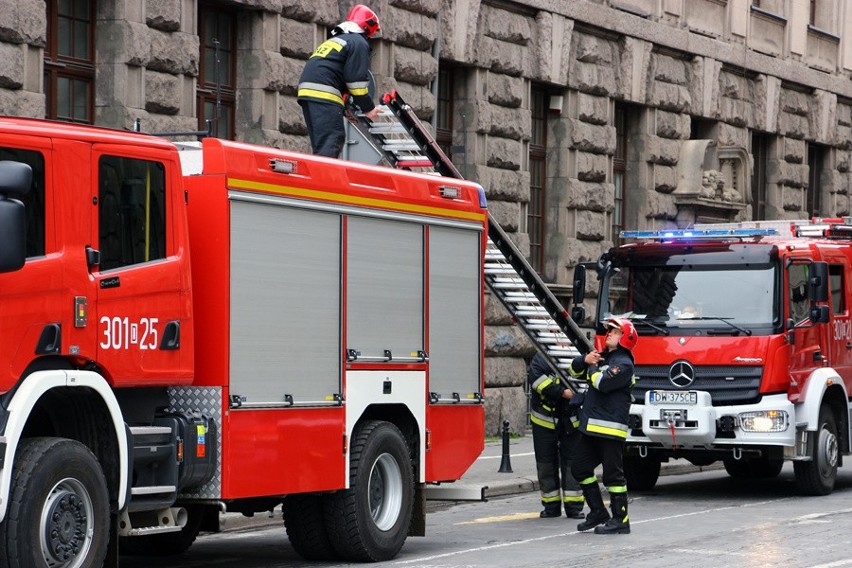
403	142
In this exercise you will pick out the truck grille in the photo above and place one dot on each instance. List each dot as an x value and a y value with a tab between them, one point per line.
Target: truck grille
726	384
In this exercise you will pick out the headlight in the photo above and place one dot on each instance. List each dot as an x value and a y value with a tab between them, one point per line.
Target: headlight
764	421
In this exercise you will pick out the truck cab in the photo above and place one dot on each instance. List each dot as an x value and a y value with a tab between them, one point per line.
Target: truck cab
743	354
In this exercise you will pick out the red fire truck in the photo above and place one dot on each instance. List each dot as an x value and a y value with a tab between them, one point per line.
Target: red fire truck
190	329
745	350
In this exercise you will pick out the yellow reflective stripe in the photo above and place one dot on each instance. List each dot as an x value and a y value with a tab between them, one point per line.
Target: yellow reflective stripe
589	480
542	382
607	431
550	498
235	183
573	372
314	94
617	488
595	378
541	420
575	423
572	499
358	92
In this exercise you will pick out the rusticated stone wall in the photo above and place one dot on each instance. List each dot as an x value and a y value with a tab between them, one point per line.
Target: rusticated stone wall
672	70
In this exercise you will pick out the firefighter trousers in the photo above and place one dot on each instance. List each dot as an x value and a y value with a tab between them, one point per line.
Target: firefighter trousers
325	127
591	451
554	450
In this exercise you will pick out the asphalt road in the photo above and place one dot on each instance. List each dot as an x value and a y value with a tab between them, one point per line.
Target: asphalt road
696	519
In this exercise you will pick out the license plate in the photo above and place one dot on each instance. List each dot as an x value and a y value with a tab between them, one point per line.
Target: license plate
672	397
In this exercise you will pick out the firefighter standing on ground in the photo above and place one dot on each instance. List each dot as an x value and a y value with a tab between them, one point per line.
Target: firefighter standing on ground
341	64
603	426
554	434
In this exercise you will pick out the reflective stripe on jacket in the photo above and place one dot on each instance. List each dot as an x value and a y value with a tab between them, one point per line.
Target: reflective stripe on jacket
339	65
606	404
547	407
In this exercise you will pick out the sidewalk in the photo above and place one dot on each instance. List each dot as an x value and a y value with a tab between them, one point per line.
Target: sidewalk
484	476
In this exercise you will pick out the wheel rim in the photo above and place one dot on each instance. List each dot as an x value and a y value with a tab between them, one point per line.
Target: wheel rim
67	521
385	492
827	455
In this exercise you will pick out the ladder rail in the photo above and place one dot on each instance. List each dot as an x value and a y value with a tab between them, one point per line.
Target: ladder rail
497	236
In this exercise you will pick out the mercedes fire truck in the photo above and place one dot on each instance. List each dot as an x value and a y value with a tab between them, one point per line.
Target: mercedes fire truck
745	350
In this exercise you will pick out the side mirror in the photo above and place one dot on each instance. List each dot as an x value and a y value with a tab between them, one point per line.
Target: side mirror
15	180
818	282
579	290
819	314
13	235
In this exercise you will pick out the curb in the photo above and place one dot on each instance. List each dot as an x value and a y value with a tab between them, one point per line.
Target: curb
520	485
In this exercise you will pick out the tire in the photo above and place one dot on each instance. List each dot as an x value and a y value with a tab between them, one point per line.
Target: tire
369	521
641	473
165	544
304	520
817	476
58	513
759	468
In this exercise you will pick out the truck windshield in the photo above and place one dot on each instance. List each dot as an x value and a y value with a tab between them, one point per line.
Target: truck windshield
682	299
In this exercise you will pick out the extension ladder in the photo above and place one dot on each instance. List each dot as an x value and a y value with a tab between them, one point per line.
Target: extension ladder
402	141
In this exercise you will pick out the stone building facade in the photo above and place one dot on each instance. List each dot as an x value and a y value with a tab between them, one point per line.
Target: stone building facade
579	117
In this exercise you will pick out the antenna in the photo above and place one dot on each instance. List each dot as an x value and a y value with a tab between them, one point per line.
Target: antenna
217	80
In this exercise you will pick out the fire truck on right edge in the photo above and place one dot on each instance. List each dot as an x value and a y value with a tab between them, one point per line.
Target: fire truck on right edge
745	353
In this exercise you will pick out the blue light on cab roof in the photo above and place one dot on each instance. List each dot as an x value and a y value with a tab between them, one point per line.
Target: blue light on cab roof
482	201
697	234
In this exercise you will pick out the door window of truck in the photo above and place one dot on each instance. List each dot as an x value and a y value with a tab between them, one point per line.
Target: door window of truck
132	211
34	199
838	288
797	284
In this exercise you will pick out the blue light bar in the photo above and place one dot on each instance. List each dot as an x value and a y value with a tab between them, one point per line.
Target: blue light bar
697	234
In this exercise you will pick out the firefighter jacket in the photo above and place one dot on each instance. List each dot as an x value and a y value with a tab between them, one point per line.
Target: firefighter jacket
339	65
547	407
606	405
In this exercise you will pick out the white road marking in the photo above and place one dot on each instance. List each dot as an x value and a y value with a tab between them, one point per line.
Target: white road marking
500	456
423	559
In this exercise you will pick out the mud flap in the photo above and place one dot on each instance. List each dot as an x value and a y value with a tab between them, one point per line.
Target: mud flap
418	512
111	560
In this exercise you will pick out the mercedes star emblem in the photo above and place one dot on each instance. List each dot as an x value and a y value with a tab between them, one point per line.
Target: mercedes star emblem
681	374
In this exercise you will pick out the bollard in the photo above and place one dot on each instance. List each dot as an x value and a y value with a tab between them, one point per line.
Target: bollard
505	463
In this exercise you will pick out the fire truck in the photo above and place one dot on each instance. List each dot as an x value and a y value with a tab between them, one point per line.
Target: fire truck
745	350
188	329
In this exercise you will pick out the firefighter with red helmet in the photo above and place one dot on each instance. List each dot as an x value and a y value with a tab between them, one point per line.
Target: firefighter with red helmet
339	66
604	412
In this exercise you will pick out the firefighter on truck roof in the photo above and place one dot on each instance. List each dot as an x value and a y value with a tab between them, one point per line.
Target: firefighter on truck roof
339	66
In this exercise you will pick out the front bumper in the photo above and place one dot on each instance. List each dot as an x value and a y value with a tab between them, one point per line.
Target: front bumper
704	426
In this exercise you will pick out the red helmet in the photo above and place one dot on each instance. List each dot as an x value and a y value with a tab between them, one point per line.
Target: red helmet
629	337
366	19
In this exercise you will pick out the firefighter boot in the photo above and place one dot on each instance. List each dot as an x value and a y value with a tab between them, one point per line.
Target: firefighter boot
598	513
620	522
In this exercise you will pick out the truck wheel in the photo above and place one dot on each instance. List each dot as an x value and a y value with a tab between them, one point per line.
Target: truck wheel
58	512
817	476
165	544
369	521
641	473
305	524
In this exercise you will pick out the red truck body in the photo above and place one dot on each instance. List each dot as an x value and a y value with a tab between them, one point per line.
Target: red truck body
270	325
